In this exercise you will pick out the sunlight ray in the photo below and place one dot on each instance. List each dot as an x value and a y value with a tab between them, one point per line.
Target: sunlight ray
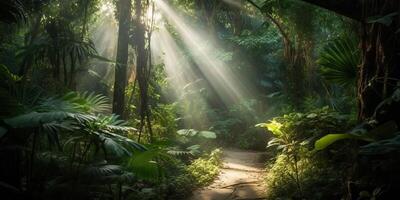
185	82
230	86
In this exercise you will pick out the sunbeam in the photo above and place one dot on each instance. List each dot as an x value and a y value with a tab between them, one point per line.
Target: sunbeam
104	36
180	75
231	87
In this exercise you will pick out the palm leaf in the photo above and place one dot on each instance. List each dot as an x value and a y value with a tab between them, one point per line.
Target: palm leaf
148	164
339	60
12	11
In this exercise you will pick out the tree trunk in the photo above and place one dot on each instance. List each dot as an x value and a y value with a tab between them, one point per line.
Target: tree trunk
379	70
122	56
142	69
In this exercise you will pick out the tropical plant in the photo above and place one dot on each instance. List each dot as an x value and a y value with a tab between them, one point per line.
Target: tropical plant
70	135
376	129
339	61
12	11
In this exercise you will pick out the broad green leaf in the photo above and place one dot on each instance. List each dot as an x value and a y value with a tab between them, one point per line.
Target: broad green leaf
274	127
34	119
187	132
330	139
207	134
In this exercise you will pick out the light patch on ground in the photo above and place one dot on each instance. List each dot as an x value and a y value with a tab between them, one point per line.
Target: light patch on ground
239	179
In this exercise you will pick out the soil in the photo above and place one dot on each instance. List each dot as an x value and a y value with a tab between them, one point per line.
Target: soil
241	178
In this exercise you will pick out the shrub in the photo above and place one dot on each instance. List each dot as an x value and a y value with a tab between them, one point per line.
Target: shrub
204	170
200	172
296	172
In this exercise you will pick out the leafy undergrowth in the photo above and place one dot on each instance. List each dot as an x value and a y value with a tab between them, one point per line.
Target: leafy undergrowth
182	179
297	171
206	169
199	173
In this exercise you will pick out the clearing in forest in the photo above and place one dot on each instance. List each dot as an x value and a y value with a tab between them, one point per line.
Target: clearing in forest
241	177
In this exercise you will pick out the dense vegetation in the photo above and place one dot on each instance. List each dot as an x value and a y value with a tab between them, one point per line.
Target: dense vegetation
136	99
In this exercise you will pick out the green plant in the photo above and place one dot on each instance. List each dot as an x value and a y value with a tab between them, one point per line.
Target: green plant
191	142
67	142
204	170
292	170
339	60
12	11
374	130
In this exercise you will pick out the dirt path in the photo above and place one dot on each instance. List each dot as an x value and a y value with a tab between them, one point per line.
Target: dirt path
240	178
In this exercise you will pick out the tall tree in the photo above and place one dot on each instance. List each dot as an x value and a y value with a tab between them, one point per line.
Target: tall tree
379	71
143	63
124	18
296	34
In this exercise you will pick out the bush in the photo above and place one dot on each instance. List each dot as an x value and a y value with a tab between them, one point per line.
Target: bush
206	169
199	173
318	179
296	172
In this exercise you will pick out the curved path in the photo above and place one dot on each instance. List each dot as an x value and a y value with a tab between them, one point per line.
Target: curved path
241	178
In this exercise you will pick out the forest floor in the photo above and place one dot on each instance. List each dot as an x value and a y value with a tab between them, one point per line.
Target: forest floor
241	178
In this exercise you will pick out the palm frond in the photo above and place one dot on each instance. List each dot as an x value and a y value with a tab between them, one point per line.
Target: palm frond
339	60
12	11
35	119
148	164
114	147
89	102
102	170
76	102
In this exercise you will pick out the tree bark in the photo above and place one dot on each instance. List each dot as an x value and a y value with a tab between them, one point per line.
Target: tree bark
379	70
122	57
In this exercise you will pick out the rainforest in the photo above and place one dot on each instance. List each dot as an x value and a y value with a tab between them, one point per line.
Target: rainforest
199	99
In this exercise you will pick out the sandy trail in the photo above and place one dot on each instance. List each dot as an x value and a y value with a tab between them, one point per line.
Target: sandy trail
240	178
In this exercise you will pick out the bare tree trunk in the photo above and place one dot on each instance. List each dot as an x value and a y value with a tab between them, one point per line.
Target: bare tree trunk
122	56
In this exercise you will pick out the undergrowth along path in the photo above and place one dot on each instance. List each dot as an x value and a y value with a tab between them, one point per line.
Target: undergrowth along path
241	178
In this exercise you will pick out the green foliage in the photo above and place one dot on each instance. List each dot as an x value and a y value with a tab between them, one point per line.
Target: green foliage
205	170
71	136
301	126
164	120
318	180
339	61
293	172
12	11
330	139
386	146
384	130
191	143
149	164
195	133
